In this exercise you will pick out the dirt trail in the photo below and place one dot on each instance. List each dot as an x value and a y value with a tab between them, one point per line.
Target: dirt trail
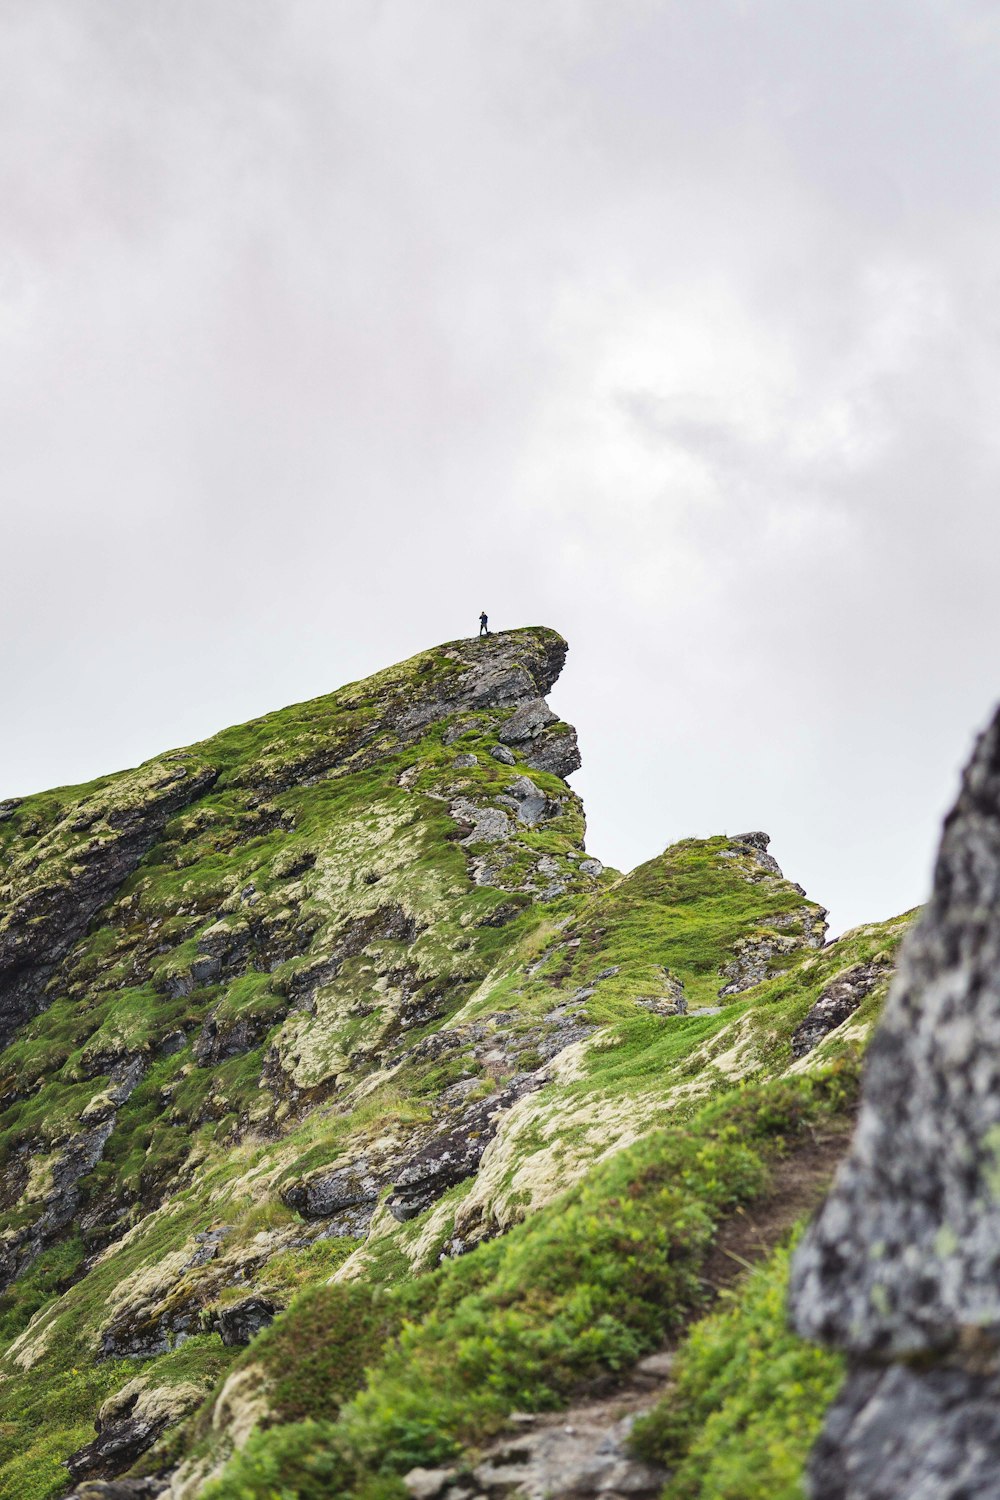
582	1452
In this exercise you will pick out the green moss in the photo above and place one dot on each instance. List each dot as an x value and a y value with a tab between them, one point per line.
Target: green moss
326	853
579	1290
55	1269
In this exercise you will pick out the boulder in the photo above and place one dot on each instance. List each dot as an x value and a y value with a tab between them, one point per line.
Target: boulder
901	1269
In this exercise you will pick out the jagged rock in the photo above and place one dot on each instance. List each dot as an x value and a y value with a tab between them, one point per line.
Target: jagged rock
568	1461
526	722
427	1484
352	1189
459	726
755	956
116	1448
673	1001
120	1489
238	1322
501	915
508	670
128	1423
555	751
756	844
908	1434
231	1036
902	1266
488	825
50	902
837	1003
528	802
349	912
62	1198
161	1305
454	1153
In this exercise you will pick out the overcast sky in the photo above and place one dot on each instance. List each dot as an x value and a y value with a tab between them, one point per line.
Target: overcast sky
325	324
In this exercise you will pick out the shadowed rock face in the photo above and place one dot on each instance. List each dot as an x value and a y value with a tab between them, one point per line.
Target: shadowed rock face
50	897
902	1267
837	1003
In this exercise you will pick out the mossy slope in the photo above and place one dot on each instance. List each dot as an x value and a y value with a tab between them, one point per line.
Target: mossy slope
339	993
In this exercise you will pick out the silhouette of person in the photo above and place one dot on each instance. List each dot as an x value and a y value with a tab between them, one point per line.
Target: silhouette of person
484	628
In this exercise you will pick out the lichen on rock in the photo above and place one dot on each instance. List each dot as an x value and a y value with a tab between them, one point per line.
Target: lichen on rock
902	1267
307	1020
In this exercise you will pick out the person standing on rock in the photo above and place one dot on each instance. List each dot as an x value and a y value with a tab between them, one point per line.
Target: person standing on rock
484	627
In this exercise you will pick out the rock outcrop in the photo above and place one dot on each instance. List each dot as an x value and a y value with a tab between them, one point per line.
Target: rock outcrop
309	1021
69	870
902	1267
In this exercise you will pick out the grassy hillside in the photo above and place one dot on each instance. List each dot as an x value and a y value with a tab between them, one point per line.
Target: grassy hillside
349	1105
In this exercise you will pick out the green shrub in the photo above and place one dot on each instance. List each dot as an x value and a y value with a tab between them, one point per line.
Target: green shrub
747	1400
316	1354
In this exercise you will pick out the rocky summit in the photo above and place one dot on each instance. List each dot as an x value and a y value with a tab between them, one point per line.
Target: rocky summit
362	1135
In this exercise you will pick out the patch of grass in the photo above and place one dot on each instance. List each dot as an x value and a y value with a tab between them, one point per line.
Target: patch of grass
581	1289
54	1270
746	1401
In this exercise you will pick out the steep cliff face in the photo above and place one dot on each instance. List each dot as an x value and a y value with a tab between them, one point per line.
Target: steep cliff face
902	1268
327	1037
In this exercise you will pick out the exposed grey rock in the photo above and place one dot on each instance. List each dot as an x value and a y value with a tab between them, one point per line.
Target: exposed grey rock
903	1261
465	761
78	1157
453	1154
506	670
756	844
656	1366
672	1002
325	1193
526	722
427	1484
462	725
756	956
555	751
528	802
45	914
489	825
223	1036
900	1434
501	915
116	1447
592	867
837	1003
120	1489
238	1322
503	755
546	880
568	1461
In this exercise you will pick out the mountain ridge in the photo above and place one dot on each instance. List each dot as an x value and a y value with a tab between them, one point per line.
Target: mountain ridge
324	1007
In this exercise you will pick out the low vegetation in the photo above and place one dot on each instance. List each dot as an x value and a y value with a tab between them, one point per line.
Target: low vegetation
313	952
